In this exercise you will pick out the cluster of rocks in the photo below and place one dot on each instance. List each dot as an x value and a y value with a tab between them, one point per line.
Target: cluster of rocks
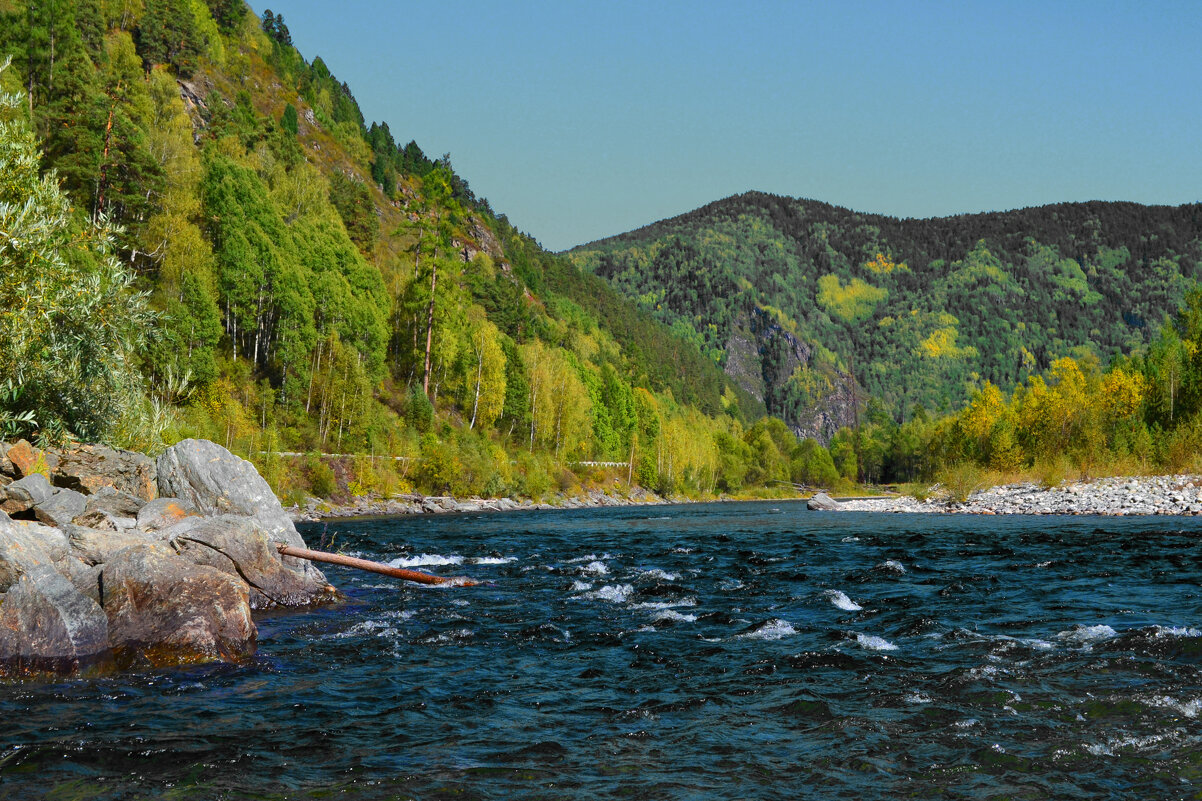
111	559
412	504
1156	495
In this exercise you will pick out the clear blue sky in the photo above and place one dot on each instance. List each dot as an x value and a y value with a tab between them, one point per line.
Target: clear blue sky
584	119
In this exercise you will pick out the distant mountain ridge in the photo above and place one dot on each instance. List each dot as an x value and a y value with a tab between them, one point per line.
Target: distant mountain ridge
918	311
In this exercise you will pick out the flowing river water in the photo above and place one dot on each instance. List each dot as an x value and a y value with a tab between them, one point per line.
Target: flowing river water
715	651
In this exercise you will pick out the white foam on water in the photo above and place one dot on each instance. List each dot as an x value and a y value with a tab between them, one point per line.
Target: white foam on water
426	560
592	557
672	614
1117	743
874	643
656	573
773	629
665	604
378	628
452	636
1189	709
840	600
892	564
460	602
731	584
614	593
679	549
581	586
967	723
1084	635
1176	631
850	539
493	560
917	698
594	569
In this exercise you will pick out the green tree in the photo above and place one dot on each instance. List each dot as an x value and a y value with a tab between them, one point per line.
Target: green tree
289	121
73	323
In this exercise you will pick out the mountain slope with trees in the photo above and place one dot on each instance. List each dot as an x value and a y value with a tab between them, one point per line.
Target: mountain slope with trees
297	279
905	313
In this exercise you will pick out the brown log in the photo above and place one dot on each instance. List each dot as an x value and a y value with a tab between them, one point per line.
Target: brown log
374	567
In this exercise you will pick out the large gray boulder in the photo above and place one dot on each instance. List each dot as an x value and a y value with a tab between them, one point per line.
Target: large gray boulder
164	610
216	482
91	468
61	508
48	625
27	493
242	547
822	502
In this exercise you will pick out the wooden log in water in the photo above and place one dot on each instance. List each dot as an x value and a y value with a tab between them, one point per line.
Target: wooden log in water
374	567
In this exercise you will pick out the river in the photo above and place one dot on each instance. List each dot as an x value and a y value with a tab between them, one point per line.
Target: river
714	651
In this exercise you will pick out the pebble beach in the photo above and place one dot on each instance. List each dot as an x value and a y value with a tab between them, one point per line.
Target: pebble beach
1116	496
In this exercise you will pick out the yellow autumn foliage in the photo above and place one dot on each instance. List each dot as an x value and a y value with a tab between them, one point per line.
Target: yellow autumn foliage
852	302
882	264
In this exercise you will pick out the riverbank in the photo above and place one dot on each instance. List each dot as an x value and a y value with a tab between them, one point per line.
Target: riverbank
111	560
1113	496
316	509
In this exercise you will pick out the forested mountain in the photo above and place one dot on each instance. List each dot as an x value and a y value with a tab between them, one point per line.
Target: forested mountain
793	297
269	270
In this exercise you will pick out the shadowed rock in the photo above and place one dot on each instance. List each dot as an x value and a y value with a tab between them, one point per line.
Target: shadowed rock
47	624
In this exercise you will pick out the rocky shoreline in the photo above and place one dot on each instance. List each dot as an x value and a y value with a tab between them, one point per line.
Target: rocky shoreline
1116	496
109	559
316	509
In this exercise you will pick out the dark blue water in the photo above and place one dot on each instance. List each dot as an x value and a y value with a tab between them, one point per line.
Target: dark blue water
719	651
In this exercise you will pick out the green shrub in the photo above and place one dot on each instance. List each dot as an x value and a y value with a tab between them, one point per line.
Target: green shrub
321	477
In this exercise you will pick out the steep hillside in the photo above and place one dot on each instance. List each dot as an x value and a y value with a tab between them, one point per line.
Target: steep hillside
794	297
311	284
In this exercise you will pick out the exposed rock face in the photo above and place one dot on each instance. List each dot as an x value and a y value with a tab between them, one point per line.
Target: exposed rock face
22	457
114	579
46	624
242	547
115	502
216	482
89	468
27	493
163	513
762	356
163	610
61	508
